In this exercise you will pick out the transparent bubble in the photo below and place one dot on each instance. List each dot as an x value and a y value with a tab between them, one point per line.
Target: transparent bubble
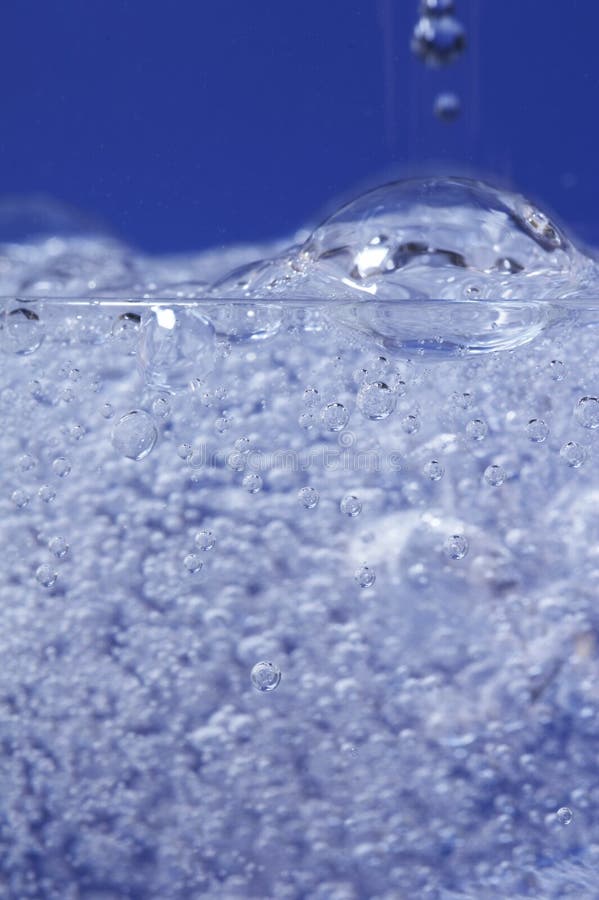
237	461
184	451
307	420
350	506
20	498
21	331
447	107
125	329
27	462
243	444
586	412
438	40
477	429
204	540
176	347
376	400
58	546
222	424
161	408
335	416
107	410
494	475
434	470
61	466
308	497
134	435
557	369
193	563
46	575
410	424
456	546
252	482
537	431
311	397
265	676
564	815
46	493
365	576
573	454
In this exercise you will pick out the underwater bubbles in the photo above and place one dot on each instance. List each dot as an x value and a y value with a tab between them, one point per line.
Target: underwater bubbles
564	815
456	546
135	435
365	576
586	412
376	400
265	676
334	416
21	331
308	497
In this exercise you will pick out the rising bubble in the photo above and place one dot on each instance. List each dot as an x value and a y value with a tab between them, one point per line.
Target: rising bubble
265	676
134	435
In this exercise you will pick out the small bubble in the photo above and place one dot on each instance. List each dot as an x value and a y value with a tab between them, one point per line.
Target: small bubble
463	401
27	462
350	506
494	475
193	563
107	410
21	331
434	470
410	424
586	412
376	400
557	369
311	397
447	108
573	454
134	435
46	575
334	416
76	432
58	546
365	576
564	815
307	420
126	327
19	498
477	429
204	540
242	444
161	407
252	482
61	467
537	431
236	460
308	497
47	493
438	39
184	451
456	546
222	424
265	676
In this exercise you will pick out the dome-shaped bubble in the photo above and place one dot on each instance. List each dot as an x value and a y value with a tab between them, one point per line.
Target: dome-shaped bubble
414	234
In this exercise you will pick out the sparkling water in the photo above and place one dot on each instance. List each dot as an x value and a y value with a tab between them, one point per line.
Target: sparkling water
300	567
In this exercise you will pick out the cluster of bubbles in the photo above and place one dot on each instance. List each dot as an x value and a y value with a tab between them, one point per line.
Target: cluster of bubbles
438	39
320	534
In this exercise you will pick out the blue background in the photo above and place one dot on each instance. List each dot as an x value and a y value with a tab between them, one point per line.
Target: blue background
192	123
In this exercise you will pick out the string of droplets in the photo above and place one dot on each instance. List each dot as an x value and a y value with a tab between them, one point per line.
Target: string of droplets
438	39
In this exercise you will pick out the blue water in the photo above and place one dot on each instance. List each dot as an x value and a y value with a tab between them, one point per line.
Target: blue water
299	562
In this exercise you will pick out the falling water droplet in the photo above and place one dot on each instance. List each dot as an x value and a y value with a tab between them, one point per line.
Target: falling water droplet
447	107
438	40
